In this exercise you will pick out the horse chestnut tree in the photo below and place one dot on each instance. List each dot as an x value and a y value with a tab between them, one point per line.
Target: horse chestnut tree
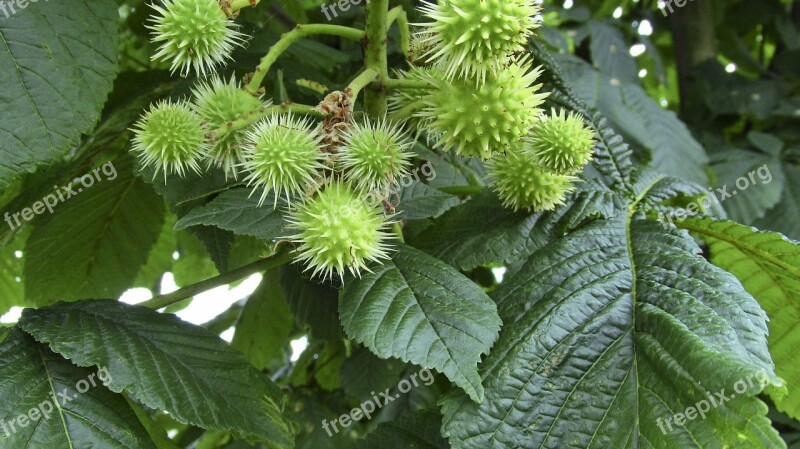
442	245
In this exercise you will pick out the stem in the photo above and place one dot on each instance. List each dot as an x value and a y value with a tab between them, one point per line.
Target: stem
375	101
299	32
398	230
463	190
407	111
276	260
361	81
399	14
239	4
407	84
253	117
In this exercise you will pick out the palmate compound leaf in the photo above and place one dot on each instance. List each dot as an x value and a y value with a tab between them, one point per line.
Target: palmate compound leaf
87	414
608	333
418	309
768	265
166	364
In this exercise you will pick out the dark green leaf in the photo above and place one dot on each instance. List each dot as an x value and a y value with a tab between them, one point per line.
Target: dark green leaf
312	304
768	265
165	364
417	431
57	64
237	211
94	244
482	231
422	311
420	201
88	415
611	331
265	324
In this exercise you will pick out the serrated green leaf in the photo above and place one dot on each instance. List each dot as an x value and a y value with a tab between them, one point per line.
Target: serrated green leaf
760	181
785	216
609	332
672	148
193	264
420	310
364	374
312	304
237	211
610	52
420	200
160	259
57	64
166	364
88	415
612	156
482	231
417	431
94	243
264	327
768	264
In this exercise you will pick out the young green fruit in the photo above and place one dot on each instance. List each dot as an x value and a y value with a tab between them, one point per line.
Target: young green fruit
193	34
219	102
282	156
477	120
337	231
171	137
522	184
374	155
473	38
562	143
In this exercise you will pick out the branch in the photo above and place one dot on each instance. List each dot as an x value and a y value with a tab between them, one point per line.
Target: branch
399	15
255	116
375	55
299	32
407	84
239	4
407	111
276	260
361	81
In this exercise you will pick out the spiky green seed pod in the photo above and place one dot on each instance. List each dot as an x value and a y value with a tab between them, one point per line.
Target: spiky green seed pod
282	155
522	184
562	143
193	34
338	230
171	137
473	38
477	120
219	102
374	155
